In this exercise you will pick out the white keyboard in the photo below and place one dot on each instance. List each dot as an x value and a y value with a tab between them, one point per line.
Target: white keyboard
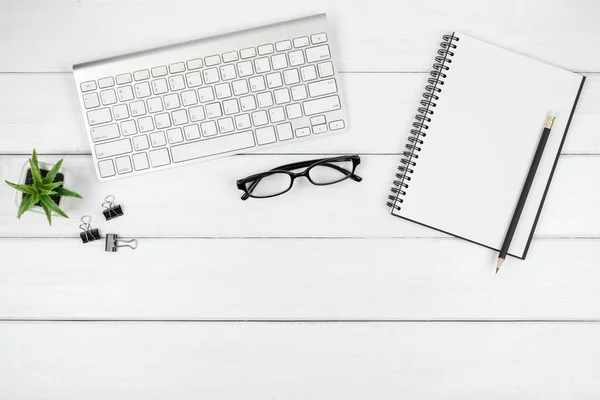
199	100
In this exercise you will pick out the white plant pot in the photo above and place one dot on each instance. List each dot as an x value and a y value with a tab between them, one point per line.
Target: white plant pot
63	202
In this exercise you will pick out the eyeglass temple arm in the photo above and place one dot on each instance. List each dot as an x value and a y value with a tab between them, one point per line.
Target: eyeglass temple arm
302	164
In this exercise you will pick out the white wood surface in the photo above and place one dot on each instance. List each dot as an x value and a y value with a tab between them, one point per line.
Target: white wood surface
172	319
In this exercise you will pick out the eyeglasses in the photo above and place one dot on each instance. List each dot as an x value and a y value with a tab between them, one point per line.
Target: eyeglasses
322	172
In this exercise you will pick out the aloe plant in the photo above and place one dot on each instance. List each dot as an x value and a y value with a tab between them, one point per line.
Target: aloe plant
40	191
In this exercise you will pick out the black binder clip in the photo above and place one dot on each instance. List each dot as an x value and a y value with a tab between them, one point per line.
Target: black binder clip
88	234
111	210
112	243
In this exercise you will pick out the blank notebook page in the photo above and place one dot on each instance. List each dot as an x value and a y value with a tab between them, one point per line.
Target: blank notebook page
481	140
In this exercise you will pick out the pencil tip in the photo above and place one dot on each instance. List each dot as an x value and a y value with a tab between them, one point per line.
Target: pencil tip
499	264
497	269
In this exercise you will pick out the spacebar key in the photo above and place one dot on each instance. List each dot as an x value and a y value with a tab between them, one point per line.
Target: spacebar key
211	147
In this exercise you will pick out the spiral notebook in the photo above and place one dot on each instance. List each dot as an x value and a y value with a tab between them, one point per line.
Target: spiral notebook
474	138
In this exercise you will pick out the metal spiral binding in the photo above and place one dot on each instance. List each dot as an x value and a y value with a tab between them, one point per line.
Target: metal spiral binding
415	141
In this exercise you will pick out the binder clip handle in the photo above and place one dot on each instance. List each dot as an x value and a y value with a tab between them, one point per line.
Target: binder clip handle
110	209
88	234
112	243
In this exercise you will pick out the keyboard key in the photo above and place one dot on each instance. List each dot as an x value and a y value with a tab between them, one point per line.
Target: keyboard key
264	99
247	103
242	121
265	135
282	96
123	165
176	82
87	86
321	105
284	131
319	128
197	113
226	125
301	42
140	161
159	86
123	79
259	118
100	116
137	108
142	90
211	75
154	105
296	58
120	111
240	87
158	139
145	124
189	98
299	92
128	128
106	168
179	117
213	110
159	71
308	73
141	75
162	121
106	82
194	64
160	157
257	83
293	111
265	49
177	68
283	45
206	94
248	53
209	128
140	142
105	132
191	132
274	80
212	60
245	69
301	132
319	53
194	79
230	57
325	69
228	72
322	88
262	65
291	76
279	61
319	38
218	145
335	125
223	91
91	100
111	149
175	135
171	101
125	93
318	120
108	97
276	114
231	107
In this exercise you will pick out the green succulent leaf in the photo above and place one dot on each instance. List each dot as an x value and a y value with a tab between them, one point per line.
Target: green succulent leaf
21	188
25	205
47	201
35	160
50	186
48	213
35	172
48	192
35	198
49	178
67	193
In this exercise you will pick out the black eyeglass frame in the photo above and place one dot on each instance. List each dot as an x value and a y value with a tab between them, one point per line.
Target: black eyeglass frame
308	164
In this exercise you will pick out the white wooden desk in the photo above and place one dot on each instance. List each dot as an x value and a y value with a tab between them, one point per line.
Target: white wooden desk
319	294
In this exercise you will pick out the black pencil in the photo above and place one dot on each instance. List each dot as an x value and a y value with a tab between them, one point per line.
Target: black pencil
525	192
